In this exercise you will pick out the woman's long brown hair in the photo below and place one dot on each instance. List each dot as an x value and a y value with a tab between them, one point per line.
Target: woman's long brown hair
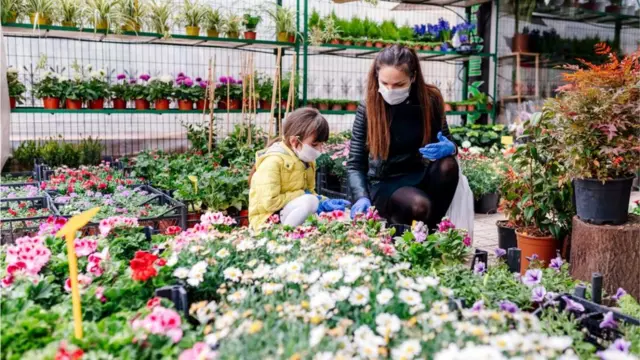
378	123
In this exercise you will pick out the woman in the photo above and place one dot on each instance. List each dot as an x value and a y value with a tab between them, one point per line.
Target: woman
401	159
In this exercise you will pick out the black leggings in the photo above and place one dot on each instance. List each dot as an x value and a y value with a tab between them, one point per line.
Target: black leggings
428	201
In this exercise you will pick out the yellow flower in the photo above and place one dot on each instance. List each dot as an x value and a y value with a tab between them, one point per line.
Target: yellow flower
305	304
207	329
255	327
279	308
280	260
316	319
412	321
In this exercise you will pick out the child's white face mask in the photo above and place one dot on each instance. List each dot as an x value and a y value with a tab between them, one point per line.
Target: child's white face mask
307	153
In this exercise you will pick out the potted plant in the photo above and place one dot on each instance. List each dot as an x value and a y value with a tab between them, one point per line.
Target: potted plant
546	205
511	192
104	14
160	90
597	130
284	20
264	88
10	10
186	92
121	92
347	41
74	92
323	104
140	91
232	25
522	10
460	106
193	14
285	85
250	24
200	90
136	12
160	17
41	12
234	94
16	88
484	179
70	13
50	88
352	106
213	21
448	106
336	105
464	32
96	89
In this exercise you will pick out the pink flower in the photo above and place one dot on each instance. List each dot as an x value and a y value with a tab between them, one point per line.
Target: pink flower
121	76
445	225
52	226
27	257
100	294
95	260
145	77
7	281
85	246
161	321
199	351
216	218
188	82
83	282
108	224
274	219
467	240
388	249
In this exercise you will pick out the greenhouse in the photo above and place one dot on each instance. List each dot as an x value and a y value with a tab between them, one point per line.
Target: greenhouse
320	179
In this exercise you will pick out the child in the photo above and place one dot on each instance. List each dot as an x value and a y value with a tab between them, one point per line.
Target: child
284	176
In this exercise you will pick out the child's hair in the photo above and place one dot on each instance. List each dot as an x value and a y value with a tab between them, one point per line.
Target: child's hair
301	123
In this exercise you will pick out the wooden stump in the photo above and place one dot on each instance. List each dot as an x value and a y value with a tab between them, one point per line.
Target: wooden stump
613	251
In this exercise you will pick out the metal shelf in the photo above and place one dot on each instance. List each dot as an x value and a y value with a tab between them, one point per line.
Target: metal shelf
587	16
409	4
370	52
109	111
127	37
449	113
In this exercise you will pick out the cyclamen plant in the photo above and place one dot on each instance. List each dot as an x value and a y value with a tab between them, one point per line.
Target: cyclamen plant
140	87
187	89
50	85
235	88
123	88
160	88
96	86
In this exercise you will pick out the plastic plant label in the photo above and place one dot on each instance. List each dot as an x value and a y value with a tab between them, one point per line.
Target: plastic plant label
507	140
194	181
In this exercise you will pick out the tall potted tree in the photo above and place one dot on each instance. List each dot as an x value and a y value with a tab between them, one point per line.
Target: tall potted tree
596	132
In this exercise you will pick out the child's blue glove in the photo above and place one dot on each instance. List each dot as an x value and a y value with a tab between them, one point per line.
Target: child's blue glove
332	205
360	206
439	150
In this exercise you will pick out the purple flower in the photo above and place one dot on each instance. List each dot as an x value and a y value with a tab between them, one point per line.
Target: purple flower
145	77
538	294
533	257
239	82
120	187
621	345
132	81
608	322
62	199
508	306
420	236
556	263
203	84
619	293
188	82
464	38
198	79
445	225
444	47
500	252
98	194
121	76
108	201
479	268
571	305
478	306
532	277
73	195
125	193
181	74
466	240
179	80
223	79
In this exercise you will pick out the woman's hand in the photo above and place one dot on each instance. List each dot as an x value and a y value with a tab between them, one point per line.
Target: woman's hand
360	206
439	150
332	205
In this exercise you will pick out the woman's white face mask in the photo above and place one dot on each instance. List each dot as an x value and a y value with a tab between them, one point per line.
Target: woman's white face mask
393	96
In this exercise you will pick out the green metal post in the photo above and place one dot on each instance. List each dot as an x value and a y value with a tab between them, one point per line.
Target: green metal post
305	57
297	47
495	65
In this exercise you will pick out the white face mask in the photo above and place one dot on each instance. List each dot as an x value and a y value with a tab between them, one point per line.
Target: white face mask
308	153
394	96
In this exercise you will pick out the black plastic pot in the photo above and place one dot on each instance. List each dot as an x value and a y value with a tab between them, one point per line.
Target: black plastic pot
486	204
506	236
603	203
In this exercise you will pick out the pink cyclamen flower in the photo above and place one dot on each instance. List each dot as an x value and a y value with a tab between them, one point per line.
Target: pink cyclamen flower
445	225
100	294
532	277
121	76
203	84
198	79
145	77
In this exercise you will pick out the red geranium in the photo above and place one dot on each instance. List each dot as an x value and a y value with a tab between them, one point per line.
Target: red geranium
142	266
102	186
64	354
173	230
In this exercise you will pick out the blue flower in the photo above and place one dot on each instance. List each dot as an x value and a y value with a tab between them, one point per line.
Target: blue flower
444	47
464	39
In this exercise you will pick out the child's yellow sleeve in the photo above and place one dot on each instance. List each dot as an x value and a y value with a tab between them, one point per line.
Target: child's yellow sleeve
266	182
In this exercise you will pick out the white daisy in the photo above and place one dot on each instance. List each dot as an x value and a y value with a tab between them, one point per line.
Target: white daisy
331	277
359	296
181	273
409	349
410	297
352	274
384	296
387	324
342	294
316	335
232	274
238	296
223	253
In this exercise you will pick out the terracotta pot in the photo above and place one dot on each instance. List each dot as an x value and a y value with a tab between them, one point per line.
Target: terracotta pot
417	47
347	43
244	218
12	102
101	25
447	107
323	106
193	30
520	43
119	104
282	37
142	104
471	108
336	107
352	107
427	47
69	24
461	107
358	43
74	104
96	104
544	247
250	35
162	104
437	48
335	42
213	33
42	20
12	18
265	104
202	104
233	35
368	44
51	103
185	105
379	45
291	38
234	104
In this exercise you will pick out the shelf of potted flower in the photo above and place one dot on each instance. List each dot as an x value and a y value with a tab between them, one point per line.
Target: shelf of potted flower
234	93
213	22
250	23
50	88
596	129
160	90
140	91
121	91
96	89
192	15
16	88
231	26
186	92
200	90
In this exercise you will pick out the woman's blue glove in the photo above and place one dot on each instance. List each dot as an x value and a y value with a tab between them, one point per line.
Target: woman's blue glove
332	205
438	150
361	206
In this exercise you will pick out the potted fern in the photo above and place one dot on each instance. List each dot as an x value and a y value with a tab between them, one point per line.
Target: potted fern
250	24
41	12
213	22
192	16
70	15
104	14
231	25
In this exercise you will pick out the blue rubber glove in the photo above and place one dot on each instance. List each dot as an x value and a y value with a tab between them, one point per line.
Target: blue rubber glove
439	150
332	205
361	206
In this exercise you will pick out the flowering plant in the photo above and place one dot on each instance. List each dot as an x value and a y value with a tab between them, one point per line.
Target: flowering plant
160	88
123	88
49	85
11	192
96	86
596	117
482	172
187	89
446	245
140	88
465	32
16	88
235	88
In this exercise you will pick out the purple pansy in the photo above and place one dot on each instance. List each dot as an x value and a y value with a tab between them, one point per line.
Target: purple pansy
619	293
556	263
500	252
478	306
145	77
572	305
532	277
479	268
508	306
538	294
608	322
121	76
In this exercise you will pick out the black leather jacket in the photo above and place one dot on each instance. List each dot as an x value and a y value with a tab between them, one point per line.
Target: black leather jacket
363	169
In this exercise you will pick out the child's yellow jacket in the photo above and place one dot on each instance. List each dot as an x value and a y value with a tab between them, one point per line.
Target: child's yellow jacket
279	178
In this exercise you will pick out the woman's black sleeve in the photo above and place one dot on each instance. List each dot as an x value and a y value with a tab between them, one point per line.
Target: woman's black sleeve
358	163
